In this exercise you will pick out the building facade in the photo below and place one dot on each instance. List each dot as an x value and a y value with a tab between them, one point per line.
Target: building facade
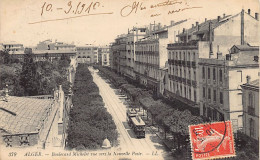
119	54
12	47
221	95
49	45
250	102
210	39
132	37
87	54
152	58
43	55
103	55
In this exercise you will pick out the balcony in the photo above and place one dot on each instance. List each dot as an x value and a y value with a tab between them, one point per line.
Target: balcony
188	81
251	111
183	63
193	65
194	83
188	64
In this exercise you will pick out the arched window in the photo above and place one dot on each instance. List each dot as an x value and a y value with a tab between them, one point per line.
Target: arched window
79	57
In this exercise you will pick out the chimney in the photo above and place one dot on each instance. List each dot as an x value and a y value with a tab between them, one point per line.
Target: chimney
192	25
224	15
248	78
183	30
205	19
249	11
197	25
219	54
256	16
172	23
150	29
242	27
218	18
159	25
210	39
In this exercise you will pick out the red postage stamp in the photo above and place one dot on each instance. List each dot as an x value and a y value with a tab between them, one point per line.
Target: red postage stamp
212	140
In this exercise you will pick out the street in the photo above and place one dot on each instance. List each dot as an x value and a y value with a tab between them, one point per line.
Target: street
149	147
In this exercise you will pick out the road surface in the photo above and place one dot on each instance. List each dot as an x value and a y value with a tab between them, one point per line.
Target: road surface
129	146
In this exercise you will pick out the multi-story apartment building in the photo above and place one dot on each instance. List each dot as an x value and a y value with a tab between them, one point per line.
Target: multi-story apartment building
250	102
132	37
119	54
87	54
205	40
103	55
110	55
221	96
147	63
12	47
152	56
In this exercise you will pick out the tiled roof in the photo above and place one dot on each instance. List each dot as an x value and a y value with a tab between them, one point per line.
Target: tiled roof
22	115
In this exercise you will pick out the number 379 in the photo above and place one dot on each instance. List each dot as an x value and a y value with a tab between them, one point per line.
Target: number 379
12	154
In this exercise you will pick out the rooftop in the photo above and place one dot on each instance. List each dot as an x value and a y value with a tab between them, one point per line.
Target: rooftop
67	45
11	43
246	47
52	51
21	115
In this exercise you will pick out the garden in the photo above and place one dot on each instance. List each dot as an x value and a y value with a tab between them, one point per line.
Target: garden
90	123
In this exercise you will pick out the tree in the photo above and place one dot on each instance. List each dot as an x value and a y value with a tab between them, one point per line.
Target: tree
28	78
5	57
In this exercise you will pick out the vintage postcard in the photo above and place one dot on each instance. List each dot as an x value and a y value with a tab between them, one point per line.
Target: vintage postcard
129	79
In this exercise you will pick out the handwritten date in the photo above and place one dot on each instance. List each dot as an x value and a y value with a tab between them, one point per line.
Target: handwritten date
77	8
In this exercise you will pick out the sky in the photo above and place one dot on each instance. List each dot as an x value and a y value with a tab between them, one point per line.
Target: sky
99	22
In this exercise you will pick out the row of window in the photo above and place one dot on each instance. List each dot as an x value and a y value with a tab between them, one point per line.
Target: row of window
150	71
151	60
147	47
187	73
212	75
186	56
213	114
184	91
209	93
